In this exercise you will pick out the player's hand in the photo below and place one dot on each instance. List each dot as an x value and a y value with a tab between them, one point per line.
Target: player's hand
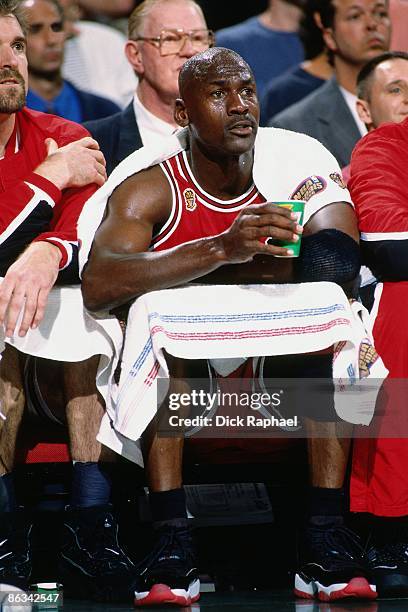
76	164
26	287
246	236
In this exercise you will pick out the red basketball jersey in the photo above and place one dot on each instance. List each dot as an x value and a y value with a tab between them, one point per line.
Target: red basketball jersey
195	213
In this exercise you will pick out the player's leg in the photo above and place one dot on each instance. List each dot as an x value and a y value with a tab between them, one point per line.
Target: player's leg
333	561
15	529
92	562
169	574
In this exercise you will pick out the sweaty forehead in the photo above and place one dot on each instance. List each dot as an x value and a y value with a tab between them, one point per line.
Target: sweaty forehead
222	69
229	71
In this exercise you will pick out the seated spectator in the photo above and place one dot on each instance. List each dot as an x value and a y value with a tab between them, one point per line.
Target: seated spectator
94	58
269	42
201	212
301	80
49	168
48	92
353	34
149	118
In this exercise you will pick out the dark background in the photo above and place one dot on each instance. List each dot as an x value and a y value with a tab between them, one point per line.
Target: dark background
223	13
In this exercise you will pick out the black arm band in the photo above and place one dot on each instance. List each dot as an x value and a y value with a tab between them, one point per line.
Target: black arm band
328	255
70	274
387	259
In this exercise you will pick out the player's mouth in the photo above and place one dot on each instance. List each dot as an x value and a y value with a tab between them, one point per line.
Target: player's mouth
9	82
242	128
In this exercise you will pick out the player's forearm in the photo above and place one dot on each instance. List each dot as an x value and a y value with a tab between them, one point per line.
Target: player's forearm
110	280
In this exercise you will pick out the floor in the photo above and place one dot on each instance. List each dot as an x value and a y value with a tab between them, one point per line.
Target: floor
278	600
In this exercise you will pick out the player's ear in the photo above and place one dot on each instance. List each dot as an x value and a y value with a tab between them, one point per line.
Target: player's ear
180	113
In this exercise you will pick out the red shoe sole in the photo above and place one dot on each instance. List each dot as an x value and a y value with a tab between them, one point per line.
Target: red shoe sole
161	594
357	588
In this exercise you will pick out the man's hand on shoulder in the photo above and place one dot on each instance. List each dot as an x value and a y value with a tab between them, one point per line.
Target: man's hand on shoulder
27	285
76	164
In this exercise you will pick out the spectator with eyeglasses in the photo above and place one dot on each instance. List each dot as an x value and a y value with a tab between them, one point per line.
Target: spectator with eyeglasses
163	34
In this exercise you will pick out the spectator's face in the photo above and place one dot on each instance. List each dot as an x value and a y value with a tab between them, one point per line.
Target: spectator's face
361	30
221	108
388	91
13	66
161	73
46	38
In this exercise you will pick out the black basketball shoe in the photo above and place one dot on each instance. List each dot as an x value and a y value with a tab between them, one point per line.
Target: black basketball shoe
334	566
169	575
92	563
15	551
389	569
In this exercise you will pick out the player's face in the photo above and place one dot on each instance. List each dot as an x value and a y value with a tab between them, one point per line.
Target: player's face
223	108
160	73
361	30
45	41
389	92
13	65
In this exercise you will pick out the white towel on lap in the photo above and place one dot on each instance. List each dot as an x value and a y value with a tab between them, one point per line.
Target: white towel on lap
224	322
68	332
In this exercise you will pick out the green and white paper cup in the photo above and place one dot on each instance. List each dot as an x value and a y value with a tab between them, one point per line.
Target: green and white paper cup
297	207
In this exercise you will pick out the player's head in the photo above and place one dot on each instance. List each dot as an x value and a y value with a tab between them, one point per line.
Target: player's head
13	59
46	37
382	89
218	102
163	34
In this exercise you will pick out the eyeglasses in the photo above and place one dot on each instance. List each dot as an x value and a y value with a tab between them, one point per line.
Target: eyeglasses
171	42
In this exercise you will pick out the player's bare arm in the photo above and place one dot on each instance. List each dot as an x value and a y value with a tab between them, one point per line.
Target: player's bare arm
138	207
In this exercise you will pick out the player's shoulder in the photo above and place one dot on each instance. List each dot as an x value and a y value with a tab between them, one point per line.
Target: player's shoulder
61	130
142	190
289	145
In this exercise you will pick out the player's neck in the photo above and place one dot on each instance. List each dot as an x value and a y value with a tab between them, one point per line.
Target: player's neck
281	16
6	129
158	106
45	87
225	177
346	74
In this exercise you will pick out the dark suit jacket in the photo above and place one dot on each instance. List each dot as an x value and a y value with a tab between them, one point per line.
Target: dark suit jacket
94	107
118	136
323	114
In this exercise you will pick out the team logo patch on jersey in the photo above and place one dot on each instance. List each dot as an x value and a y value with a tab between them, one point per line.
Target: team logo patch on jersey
367	357
308	188
190	199
338	179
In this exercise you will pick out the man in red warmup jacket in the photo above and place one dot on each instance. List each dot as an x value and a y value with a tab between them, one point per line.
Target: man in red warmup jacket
379	483
48	169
